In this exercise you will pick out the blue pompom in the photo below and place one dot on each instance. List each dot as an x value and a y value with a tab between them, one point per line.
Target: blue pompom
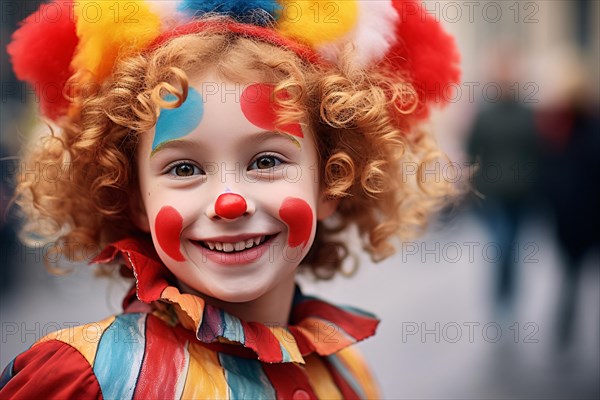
256	12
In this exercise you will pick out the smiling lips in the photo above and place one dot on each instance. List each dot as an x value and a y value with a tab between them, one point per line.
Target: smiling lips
233	250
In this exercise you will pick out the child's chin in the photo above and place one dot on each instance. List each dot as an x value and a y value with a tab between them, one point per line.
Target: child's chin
238	294
232	291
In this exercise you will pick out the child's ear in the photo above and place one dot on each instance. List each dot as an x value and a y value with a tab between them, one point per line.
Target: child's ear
138	212
326	207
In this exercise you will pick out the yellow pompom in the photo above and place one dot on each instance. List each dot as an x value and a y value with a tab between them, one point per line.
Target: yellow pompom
317	22
111	29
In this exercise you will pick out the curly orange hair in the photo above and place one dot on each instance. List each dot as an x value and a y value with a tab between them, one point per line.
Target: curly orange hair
363	146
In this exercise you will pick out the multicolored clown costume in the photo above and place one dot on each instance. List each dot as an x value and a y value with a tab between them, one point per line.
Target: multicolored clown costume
172	344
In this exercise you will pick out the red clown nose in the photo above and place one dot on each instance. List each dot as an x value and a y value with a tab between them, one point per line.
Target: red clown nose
230	206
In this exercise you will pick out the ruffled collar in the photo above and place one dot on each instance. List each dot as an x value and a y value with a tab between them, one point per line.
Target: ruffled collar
314	326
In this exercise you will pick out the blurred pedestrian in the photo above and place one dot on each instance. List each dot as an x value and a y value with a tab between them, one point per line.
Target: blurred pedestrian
503	143
571	172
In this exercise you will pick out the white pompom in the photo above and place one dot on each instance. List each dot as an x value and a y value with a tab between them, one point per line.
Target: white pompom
170	17
373	35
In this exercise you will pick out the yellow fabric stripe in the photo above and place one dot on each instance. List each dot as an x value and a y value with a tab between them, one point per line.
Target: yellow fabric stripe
192	307
288	342
320	379
359	369
84	338
205	378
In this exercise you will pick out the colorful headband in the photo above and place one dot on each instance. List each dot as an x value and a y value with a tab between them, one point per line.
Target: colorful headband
86	38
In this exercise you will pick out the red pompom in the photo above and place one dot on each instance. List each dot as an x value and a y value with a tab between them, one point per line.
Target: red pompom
41	52
427	53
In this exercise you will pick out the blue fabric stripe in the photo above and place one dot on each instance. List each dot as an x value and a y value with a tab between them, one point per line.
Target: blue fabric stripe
119	356
234	330
7	374
246	378
348	377
284	354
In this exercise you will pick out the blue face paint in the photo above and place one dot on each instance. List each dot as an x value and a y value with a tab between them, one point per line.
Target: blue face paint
178	122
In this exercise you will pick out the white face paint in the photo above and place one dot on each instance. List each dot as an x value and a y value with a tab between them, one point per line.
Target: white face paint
231	207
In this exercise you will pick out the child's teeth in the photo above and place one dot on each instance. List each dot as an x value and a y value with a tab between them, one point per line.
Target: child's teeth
237	246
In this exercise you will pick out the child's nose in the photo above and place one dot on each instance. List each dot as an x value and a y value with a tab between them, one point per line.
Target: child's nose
230	206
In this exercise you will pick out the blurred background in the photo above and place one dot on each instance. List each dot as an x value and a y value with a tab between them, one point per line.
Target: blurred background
501	298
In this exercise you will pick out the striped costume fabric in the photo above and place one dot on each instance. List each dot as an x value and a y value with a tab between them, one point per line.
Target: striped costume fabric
171	345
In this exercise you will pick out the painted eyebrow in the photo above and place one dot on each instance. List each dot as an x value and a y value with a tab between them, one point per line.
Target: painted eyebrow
263	136
173	144
260	137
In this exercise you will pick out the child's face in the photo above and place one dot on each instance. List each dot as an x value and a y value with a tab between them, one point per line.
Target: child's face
231	205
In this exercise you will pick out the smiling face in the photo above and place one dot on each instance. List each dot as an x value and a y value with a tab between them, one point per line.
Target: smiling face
231	204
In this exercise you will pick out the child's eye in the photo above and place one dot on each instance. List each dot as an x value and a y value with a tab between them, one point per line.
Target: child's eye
265	162
185	169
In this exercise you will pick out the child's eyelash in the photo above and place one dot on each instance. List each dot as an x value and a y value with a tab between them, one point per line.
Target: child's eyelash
280	160
169	168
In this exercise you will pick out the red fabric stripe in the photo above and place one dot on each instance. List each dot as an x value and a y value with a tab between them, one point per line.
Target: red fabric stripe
164	362
304	345
287	379
345	388
140	256
260	339
357	326
52	370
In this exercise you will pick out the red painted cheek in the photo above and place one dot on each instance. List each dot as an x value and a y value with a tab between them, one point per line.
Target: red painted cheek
298	216
262	112
168	225
230	206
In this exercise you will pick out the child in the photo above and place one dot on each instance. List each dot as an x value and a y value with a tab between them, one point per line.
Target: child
215	148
